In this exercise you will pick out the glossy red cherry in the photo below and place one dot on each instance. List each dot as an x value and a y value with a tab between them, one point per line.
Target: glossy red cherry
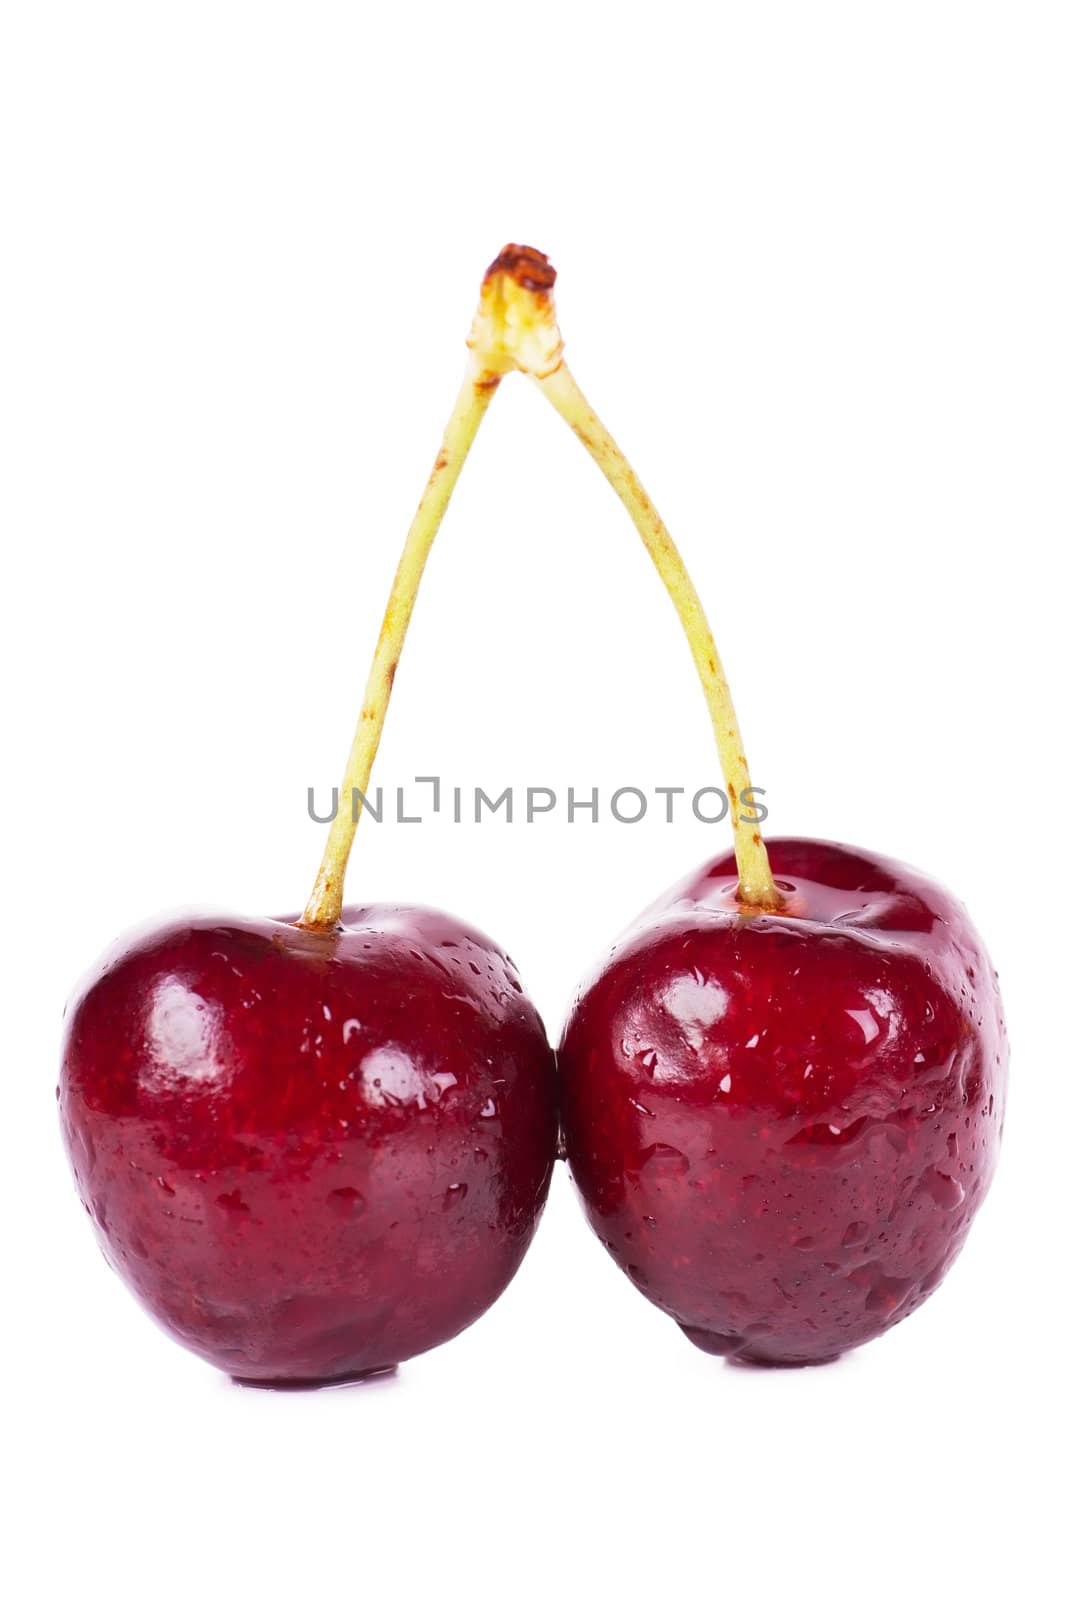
782	1125
311	1155
783	1091
316	1148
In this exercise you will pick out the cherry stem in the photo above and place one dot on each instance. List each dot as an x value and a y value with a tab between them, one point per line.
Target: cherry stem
756	886
510	332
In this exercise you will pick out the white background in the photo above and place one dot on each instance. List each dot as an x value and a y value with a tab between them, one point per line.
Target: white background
812	265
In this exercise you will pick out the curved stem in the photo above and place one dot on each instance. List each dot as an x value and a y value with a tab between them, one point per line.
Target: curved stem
756	885
510	331
323	909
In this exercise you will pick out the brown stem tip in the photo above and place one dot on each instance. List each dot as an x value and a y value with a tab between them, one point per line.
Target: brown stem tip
529	268
515	324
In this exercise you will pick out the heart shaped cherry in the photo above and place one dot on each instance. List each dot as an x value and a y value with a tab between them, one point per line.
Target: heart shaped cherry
316	1148
782	1091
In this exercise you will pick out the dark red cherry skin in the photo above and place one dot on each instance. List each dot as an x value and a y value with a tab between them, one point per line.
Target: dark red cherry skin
310	1155
782	1126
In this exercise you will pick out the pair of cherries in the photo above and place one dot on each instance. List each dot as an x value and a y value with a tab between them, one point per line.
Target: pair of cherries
315	1149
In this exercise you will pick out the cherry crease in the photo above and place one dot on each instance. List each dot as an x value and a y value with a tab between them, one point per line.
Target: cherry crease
782	1126
310	1155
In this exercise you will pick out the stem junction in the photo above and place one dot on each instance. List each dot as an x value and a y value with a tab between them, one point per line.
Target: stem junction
515	329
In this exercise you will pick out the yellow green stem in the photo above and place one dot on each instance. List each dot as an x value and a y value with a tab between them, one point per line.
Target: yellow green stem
509	331
323	909
756	886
